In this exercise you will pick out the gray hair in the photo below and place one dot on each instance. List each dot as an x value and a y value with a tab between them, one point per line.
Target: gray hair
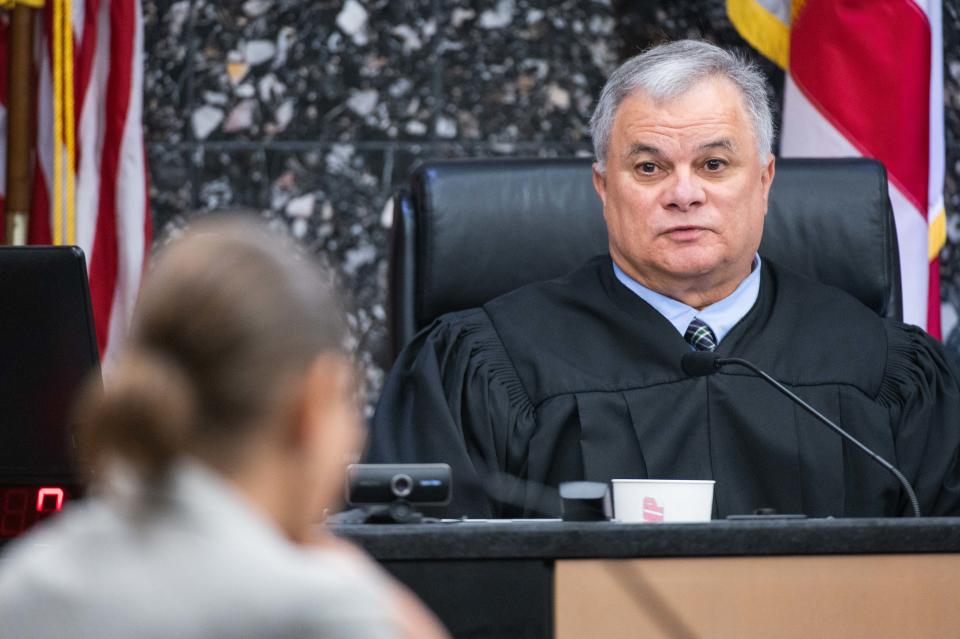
668	71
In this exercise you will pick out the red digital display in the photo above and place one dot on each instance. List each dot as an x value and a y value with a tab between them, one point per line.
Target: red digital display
23	506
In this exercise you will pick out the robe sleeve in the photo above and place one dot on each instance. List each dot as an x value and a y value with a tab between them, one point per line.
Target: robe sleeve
454	396
921	391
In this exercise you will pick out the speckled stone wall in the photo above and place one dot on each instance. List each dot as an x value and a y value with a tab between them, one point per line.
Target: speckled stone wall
314	113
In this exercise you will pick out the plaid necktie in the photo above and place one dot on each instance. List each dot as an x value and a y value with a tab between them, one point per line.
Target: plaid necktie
700	336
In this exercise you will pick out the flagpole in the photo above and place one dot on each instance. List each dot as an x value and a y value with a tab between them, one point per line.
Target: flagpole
20	130
69	125
58	153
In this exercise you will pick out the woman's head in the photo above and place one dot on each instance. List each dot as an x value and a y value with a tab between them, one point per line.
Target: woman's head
235	357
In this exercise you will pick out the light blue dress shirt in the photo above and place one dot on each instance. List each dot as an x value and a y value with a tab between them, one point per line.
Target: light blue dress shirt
720	316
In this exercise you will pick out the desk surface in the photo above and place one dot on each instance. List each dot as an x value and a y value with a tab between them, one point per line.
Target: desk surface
562	540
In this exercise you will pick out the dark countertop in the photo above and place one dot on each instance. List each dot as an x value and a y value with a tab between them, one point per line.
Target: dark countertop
559	540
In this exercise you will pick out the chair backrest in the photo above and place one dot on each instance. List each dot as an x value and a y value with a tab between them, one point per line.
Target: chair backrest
470	230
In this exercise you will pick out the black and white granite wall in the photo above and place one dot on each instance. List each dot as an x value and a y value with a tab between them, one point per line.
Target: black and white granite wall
314	113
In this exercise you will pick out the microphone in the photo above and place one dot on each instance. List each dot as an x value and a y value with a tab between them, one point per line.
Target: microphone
702	363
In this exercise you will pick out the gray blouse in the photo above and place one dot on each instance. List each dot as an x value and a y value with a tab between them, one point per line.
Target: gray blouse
198	562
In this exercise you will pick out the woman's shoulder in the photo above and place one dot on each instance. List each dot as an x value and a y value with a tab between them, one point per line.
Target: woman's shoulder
93	560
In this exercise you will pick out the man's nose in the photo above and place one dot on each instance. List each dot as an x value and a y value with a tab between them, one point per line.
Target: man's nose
684	192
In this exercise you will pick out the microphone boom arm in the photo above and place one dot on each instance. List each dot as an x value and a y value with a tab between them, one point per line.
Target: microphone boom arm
815	413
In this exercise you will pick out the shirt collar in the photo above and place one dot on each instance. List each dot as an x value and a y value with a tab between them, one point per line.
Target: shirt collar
721	316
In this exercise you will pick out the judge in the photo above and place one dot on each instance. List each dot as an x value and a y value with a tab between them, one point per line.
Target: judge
579	378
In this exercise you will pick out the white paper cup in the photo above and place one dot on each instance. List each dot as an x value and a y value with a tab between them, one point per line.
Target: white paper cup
662	500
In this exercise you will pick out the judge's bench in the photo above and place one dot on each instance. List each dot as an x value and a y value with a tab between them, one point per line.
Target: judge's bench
756	578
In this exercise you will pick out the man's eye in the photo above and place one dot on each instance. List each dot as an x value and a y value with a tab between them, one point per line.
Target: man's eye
714	165
647	168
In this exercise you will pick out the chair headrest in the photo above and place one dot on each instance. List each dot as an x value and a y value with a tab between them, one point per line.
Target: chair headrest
831	220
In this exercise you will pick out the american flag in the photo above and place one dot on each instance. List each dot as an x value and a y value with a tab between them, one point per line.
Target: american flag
113	225
866	79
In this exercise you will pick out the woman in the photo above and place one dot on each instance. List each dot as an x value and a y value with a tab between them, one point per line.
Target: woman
220	438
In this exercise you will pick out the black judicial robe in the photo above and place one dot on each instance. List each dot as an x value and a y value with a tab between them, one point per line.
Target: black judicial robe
578	378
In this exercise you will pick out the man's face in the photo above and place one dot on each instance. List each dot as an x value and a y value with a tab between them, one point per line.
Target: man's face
684	192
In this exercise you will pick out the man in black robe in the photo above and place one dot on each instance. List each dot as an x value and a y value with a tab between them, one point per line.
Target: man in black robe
580	378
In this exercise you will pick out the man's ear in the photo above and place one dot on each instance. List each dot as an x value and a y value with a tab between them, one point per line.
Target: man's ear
766	179
766	176
600	183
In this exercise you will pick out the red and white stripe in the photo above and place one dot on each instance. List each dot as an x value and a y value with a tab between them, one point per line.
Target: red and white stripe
865	79
113	225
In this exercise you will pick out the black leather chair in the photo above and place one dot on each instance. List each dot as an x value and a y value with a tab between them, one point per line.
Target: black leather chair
469	230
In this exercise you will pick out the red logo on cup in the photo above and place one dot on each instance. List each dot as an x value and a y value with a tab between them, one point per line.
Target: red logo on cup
652	511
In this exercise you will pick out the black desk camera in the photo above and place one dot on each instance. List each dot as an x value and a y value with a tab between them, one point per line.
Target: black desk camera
391	493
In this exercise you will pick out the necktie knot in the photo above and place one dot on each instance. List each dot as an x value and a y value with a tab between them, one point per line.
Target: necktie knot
700	336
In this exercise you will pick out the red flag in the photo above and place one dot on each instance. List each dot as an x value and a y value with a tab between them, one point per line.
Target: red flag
865	79
113	225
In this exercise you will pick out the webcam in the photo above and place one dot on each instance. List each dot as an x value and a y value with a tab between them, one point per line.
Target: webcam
391	492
